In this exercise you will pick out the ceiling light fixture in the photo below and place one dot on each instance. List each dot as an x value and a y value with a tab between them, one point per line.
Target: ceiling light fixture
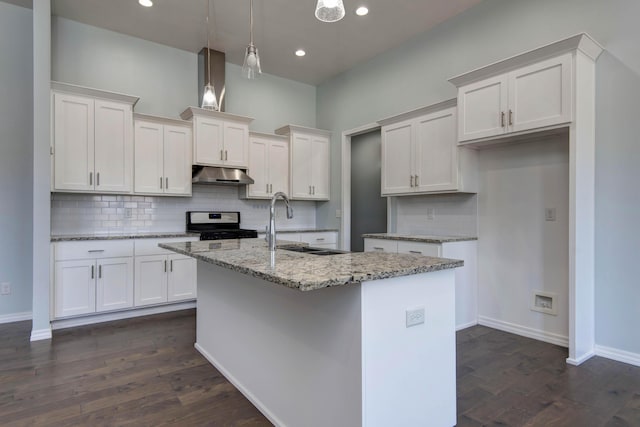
362	11
145	3
329	10
209	100
300	52
251	67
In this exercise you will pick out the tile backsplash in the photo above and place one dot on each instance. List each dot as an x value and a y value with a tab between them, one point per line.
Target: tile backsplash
440	215
114	214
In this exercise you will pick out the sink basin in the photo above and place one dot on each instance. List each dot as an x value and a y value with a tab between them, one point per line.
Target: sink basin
311	250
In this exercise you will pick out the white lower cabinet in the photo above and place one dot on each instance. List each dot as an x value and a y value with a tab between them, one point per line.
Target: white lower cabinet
466	276
107	275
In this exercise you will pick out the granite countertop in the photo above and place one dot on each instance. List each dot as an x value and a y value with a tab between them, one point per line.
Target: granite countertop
308	272
149	235
419	238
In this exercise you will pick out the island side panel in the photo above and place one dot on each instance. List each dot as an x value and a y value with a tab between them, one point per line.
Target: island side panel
409	374
296	355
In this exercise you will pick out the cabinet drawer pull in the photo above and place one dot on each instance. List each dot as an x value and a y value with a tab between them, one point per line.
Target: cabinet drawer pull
502	118
161	183
221	154
91	251
166	183
98	178
171	265
510	117
92	272
165	265
377	248
90	178
320	239
416	252
100	272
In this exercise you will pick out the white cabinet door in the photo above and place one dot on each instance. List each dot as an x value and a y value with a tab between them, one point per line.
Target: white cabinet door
208	147
236	140
150	280
482	108
149	154
279	167
301	161
436	152
113	147
73	122
182	278
379	245
540	94
320	167
397	156
177	160
114	286
75	287
419	248
259	149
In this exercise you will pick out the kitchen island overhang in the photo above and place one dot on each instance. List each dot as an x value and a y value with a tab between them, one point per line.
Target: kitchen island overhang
341	355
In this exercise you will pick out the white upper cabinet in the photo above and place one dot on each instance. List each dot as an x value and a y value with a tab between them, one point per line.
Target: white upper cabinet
268	165
162	156
309	162
528	98
420	153
92	140
219	139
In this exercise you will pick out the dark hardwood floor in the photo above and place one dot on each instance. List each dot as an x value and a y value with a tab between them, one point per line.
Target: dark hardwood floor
145	372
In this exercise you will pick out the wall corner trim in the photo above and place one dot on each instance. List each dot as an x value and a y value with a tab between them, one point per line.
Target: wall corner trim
41	334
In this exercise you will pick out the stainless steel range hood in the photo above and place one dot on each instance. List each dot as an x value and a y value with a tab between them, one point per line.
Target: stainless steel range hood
219	176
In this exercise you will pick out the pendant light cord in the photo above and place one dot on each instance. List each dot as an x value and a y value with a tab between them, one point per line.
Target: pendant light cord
208	49
251	22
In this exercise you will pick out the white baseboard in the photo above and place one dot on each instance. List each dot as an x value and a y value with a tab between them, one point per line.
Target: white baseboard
524	331
119	315
16	317
618	355
41	334
466	325
237	384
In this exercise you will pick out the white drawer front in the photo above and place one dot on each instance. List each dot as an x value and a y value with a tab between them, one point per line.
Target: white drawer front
150	246
93	249
322	238
416	248
378	245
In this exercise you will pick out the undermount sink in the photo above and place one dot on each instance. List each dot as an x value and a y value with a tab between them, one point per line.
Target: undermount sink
311	250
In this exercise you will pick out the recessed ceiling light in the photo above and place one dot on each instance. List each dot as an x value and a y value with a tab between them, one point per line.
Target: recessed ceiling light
300	52
145	3
361	11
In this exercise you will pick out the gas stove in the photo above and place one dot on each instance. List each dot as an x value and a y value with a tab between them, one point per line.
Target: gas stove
214	225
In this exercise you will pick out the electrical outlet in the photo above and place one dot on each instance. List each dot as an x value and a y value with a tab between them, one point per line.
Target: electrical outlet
128	213
431	214
415	316
338	213
544	302
550	214
5	288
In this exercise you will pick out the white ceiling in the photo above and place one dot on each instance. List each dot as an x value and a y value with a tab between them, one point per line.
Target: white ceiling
280	28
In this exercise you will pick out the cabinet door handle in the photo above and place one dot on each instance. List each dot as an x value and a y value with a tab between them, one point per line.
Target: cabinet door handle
416	181
171	265
165	265
226	155
166	183
98	178
221	154
270	188
314	190
92	272
90	178
415	252
510	117
161	183
267	188
411	181
310	190
502	118
100	272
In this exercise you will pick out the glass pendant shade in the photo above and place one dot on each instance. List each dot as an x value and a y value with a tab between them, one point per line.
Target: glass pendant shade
330	10
251	67
209	101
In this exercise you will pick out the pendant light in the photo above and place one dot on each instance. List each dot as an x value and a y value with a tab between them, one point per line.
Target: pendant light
209	101
251	67
329	10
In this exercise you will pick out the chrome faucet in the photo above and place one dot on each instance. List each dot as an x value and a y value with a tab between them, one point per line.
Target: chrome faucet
271	235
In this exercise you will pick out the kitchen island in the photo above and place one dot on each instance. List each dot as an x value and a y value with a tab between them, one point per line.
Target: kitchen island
327	340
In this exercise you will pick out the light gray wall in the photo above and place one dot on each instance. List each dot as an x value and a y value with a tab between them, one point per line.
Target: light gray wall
16	152
415	74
